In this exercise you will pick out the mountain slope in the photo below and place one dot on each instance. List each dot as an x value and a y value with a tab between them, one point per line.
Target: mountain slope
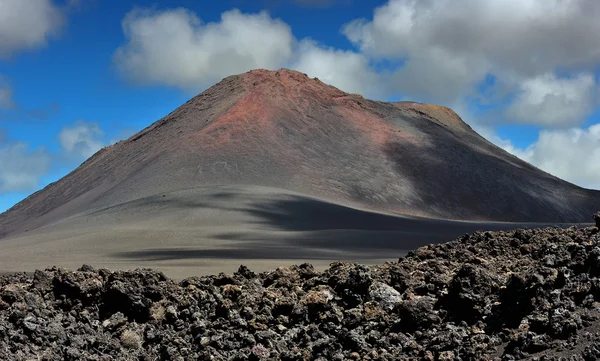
284	130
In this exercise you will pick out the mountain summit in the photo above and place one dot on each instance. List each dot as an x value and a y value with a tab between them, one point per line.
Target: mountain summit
284	130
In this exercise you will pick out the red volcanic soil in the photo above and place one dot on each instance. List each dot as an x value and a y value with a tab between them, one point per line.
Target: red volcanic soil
284	130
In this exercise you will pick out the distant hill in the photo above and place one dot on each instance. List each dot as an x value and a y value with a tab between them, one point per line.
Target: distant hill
284	130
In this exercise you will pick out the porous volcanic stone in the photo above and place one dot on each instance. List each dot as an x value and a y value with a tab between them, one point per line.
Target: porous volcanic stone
527	293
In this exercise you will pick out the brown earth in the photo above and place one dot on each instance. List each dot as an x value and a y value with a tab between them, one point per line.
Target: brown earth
269	157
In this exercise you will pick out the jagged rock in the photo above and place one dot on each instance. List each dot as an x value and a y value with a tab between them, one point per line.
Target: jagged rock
42	281
417	313
470	292
12	293
386	295
115	321
490	295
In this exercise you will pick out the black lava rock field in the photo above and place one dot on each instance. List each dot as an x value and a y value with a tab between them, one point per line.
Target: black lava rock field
522	294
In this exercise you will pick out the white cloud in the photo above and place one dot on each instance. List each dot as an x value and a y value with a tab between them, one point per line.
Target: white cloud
528	36
82	139
346	70
570	154
175	48
20	167
449	49
551	101
439	76
27	24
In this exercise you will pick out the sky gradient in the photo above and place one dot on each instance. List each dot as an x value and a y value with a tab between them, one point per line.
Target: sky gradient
78	75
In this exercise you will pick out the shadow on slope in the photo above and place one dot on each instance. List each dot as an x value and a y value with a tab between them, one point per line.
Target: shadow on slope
464	178
305	228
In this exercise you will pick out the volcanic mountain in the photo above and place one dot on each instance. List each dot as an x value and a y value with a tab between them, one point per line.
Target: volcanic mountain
271	142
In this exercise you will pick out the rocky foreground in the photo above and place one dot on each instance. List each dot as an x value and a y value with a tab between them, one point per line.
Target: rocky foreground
489	295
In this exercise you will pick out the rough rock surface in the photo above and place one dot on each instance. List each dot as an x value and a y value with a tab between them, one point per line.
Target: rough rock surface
486	296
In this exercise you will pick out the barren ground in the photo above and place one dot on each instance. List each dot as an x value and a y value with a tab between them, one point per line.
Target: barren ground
215	229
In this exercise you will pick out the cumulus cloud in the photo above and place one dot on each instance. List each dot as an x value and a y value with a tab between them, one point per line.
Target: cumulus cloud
527	36
436	75
21	167
446	51
346	70
176	48
81	139
449	49
27	24
570	154
551	101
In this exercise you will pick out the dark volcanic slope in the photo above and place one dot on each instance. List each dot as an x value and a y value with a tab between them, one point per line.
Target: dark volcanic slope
284	130
486	296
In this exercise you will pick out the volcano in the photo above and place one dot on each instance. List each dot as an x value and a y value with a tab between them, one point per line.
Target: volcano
290	158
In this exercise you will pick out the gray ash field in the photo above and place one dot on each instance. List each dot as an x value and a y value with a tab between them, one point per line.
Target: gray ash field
525	293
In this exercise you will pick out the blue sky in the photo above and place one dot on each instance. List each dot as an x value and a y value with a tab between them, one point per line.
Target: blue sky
76	75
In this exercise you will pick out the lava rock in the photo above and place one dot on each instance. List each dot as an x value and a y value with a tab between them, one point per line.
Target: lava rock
386	295
527	293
